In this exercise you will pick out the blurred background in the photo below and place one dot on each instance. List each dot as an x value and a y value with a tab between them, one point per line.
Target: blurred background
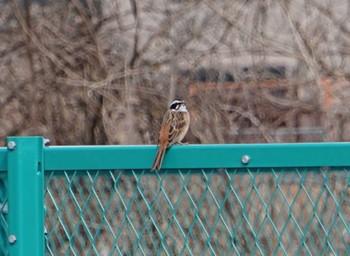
104	72
251	71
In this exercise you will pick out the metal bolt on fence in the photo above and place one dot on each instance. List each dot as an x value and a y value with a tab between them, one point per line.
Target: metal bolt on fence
11	145
12	239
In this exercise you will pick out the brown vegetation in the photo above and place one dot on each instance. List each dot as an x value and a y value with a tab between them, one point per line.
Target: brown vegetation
103	73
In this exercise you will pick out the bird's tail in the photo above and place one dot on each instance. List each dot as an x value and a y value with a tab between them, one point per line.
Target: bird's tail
159	159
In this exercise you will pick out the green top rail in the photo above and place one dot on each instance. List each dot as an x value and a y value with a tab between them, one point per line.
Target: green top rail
193	156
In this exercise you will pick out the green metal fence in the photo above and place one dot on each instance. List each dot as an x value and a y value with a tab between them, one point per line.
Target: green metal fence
277	199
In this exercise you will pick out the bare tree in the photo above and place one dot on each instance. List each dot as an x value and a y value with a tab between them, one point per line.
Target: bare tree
94	73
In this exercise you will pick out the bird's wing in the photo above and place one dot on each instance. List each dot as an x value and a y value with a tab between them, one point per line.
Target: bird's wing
165	128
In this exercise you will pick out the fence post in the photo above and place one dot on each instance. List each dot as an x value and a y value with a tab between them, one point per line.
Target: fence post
25	195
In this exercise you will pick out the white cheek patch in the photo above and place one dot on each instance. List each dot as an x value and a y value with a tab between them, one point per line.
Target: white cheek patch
183	108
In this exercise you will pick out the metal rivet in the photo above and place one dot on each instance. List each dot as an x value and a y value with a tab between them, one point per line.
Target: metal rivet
245	159
46	142
11	145
12	239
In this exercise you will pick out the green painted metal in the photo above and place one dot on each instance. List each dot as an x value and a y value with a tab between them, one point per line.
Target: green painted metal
198	156
25	196
3	159
3	213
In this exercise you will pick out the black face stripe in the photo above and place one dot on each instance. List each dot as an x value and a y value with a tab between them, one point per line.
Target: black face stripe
176	104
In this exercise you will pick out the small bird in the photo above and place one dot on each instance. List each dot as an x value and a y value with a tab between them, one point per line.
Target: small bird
174	127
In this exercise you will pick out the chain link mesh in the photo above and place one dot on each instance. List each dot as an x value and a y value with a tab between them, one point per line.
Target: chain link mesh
3	215
221	212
